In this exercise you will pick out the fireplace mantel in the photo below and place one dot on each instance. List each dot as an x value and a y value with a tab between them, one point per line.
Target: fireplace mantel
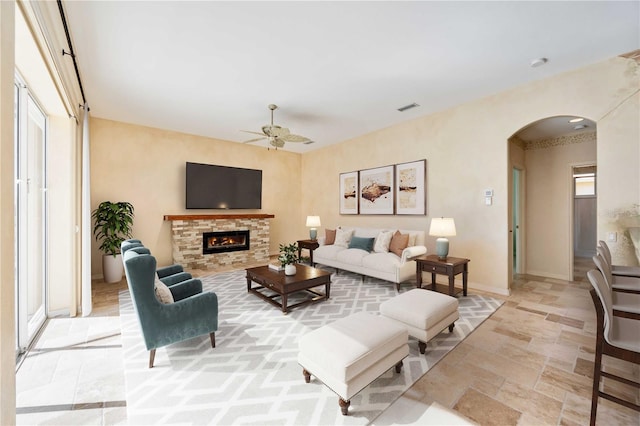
169	217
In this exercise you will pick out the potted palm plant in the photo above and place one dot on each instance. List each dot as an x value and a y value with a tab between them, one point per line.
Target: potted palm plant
113	224
289	257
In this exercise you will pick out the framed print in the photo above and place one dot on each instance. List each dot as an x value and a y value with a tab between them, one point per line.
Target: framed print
411	194
376	191
348	193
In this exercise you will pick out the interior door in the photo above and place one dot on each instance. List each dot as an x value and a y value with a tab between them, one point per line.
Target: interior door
516	221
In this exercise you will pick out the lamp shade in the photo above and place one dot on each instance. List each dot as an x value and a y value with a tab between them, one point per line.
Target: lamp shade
313	221
442	227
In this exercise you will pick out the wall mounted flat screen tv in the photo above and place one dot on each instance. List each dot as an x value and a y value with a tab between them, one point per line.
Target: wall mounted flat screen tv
219	187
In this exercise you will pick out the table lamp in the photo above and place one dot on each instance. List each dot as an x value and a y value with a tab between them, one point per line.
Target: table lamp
313	222
442	227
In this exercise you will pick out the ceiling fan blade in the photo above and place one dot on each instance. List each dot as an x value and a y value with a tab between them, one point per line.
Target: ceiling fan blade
254	133
254	140
294	138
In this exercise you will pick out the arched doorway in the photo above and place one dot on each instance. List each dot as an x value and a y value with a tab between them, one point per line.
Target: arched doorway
542	158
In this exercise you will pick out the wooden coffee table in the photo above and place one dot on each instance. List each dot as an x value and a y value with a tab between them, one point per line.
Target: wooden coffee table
283	285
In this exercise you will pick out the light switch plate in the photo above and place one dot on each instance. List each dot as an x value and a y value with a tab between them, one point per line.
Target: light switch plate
612	237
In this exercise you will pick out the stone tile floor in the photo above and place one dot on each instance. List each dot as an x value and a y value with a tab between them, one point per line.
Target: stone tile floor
529	364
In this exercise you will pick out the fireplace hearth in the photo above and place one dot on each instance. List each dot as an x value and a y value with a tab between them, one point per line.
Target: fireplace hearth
225	241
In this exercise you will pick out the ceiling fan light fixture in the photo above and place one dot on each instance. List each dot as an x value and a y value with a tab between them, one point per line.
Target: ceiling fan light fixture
576	120
276	135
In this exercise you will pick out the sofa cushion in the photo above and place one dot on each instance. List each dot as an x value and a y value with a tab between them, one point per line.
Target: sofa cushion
384	262
327	252
163	294
382	241
343	236
398	243
361	243
330	236
352	256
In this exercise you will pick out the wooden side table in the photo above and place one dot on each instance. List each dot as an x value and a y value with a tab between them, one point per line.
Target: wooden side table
450	267
310	245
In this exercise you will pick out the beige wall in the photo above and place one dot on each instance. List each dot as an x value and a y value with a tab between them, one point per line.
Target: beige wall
467	151
549	198
619	187
146	167
7	178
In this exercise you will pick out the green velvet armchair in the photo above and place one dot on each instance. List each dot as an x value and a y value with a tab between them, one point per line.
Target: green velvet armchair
170	275
164	324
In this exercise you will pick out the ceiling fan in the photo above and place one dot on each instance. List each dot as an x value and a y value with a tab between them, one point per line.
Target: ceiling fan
276	135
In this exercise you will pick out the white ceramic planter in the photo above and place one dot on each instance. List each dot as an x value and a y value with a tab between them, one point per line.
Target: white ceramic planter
290	269
112	268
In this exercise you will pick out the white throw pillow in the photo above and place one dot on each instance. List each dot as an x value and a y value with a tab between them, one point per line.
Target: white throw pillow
412	240
343	237
163	294
382	241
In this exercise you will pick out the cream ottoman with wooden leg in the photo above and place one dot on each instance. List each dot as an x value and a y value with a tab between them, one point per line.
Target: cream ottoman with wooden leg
424	313
350	353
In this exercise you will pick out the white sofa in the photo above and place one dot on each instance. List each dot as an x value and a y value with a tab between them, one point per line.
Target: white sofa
386	266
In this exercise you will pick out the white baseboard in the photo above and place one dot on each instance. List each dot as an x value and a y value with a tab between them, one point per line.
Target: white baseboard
488	289
548	275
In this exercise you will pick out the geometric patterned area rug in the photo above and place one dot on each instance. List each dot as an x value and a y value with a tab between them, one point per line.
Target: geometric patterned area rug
252	376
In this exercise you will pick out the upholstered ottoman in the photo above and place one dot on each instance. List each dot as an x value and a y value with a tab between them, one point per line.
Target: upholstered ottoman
424	313
352	352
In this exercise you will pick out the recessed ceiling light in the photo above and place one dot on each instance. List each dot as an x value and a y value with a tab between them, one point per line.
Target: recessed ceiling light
576	120
538	62
406	107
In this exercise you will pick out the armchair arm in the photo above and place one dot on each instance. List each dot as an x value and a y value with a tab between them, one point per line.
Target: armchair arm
321	240
411	252
186	289
176	278
165	271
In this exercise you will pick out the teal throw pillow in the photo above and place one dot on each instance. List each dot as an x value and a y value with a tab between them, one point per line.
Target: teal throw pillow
362	243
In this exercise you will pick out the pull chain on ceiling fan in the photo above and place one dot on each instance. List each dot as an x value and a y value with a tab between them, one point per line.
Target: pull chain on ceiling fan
276	135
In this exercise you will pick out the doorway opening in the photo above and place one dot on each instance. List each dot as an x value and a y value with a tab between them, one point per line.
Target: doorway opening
585	235
549	224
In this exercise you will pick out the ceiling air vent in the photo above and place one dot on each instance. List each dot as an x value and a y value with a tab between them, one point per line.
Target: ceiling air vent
406	107
308	142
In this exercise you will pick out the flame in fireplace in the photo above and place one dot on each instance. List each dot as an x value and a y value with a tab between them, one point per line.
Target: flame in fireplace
225	241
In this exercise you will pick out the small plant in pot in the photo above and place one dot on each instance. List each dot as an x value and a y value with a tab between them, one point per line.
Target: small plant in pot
113	224
289	257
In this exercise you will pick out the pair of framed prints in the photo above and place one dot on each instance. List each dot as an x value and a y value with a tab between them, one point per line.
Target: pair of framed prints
396	189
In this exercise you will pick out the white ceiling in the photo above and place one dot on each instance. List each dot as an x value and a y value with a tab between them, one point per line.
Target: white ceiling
336	70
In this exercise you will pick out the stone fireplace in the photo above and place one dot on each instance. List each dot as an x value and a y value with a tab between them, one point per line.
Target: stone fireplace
225	235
